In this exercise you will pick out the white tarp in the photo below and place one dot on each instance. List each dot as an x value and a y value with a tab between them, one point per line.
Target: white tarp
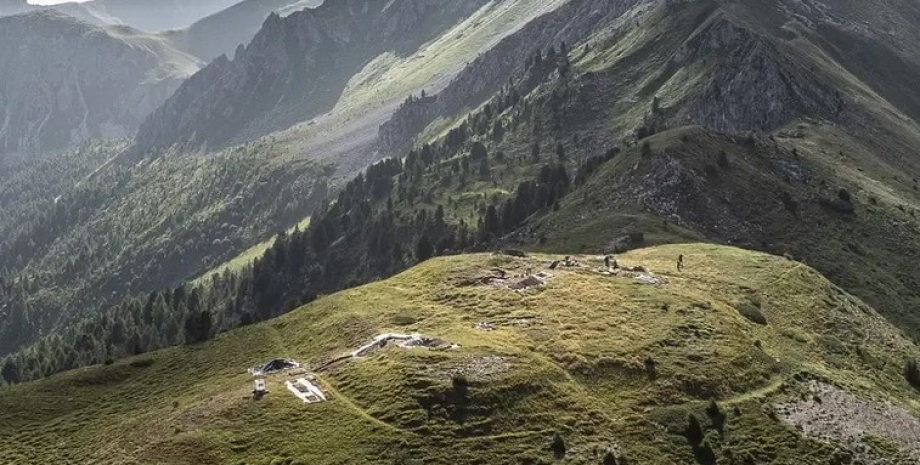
306	391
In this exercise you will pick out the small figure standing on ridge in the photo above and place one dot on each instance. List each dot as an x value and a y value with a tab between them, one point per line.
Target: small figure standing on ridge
680	263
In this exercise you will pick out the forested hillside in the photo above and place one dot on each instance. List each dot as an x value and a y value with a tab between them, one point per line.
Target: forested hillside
593	231
644	133
88	241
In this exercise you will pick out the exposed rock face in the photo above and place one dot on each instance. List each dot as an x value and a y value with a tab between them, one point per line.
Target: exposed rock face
64	81
754	86
294	69
742	79
160	15
570	24
222	32
403	127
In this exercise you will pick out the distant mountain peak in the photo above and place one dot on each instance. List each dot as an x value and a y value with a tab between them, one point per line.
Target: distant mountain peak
295	68
67	81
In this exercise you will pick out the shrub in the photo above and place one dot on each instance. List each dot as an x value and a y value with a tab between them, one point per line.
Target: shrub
403	320
694	433
558	446
610	459
845	196
711	171
838	205
646	149
716	415
723	160
752	313
791	205
840	457
144	363
912	373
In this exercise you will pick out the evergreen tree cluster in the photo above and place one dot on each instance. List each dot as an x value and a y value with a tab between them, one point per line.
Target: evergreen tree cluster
394	215
118	230
530	197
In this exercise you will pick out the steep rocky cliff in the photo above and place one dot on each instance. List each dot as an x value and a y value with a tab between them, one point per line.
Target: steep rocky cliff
751	85
64	81
572	23
295	68
222	32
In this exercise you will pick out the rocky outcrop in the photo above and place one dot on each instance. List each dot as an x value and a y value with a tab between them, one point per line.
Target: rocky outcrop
754	86
222	32
64	81
402	128
571	23
160	15
294	69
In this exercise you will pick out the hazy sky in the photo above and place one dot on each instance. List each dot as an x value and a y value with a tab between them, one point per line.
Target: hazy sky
53	2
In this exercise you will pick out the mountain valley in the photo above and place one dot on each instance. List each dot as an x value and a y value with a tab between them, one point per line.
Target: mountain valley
461	170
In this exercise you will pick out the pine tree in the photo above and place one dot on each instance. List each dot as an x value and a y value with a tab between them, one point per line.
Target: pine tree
646	149
912	373
610	459
10	371
723	160
198	327
485	171
558	446
424	250
478	151
694	431
715	415
491	224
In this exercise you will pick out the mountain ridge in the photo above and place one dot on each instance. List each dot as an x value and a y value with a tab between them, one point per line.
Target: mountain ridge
558	211
217	121
625	362
67	81
222	32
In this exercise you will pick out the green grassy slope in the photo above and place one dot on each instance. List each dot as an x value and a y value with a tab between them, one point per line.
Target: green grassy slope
770	195
570	358
248	256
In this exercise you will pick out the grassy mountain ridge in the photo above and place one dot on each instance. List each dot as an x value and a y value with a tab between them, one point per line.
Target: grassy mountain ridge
664	126
526	167
782	196
49	251
571	358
